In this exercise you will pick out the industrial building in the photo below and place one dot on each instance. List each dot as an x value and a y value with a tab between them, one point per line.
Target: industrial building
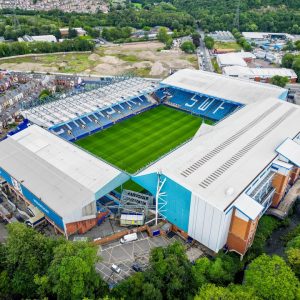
38	38
260	74
259	37
235	59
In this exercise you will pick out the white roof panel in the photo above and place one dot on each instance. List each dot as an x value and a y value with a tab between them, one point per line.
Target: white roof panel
216	85
248	206
68	158
62	175
290	150
258	72
235	58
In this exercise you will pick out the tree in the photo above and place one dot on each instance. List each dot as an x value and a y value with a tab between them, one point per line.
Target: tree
279	80
27	253
209	42
162	35
34	266
196	39
200	271
170	270
287	60
224	268
169	276
296	66
293	258
72	33
188	47
136	287
271	278
72	273
232	292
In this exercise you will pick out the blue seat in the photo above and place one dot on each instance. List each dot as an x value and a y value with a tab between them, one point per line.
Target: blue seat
204	106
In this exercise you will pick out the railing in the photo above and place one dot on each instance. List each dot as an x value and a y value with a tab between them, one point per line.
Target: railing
263	187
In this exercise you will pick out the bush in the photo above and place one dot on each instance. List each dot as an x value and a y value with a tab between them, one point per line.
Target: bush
271	278
266	226
188	47
209	42
292	234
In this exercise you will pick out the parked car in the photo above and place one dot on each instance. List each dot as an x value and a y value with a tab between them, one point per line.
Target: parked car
137	268
115	268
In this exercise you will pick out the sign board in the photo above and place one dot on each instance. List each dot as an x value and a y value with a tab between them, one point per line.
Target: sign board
137	198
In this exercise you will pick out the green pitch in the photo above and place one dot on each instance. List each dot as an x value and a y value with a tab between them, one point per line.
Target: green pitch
134	143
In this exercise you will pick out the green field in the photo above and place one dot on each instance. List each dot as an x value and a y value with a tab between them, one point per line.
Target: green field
134	143
228	45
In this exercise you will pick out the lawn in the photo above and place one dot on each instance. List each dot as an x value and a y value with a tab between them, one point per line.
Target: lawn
216	66
228	45
136	142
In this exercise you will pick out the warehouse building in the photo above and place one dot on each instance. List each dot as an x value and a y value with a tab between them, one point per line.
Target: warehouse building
38	38
235	59
260	74
263	37
57	177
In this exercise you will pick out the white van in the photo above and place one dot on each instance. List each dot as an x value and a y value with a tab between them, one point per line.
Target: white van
128	238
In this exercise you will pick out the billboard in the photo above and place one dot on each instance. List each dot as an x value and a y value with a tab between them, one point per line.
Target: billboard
136	198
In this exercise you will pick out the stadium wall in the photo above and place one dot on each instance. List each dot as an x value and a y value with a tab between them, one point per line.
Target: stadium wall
32	199
207	224
177	198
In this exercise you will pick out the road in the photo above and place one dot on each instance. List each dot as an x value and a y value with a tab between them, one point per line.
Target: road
204	59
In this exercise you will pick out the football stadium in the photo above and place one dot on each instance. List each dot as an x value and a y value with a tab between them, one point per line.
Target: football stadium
214	153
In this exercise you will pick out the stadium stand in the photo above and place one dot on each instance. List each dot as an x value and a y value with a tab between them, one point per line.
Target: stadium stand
83	113
207	107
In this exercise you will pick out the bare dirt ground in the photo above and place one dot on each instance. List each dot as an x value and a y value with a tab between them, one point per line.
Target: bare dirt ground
142	59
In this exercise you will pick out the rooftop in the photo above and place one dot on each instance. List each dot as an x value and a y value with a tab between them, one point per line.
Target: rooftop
235	59
259	72
63	176
210	165
234	89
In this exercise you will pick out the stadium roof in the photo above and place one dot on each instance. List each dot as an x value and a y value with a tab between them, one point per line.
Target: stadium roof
211	165
258	72
216	85
290	150
62	175
69	108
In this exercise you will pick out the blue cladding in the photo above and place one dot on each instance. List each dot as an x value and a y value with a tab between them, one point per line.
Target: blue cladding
178	204
43	207
35	201
149	182
283	96
6	176
178	198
